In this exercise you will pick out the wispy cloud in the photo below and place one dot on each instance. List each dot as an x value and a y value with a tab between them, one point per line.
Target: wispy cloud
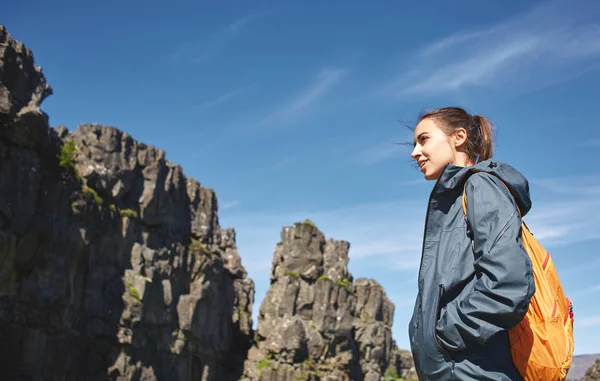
588	321
592	143
201	50
384	150
239	24
590	289
568	225
223	98
420	181
379	153
572	185
388	230
324	81
296	108
281	164
230	204
272	169
306	98
569	216
579	268
552	42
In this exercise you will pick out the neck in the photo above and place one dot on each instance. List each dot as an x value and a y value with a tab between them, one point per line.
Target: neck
461	159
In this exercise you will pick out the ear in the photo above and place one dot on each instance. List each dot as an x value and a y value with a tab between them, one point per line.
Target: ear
459	137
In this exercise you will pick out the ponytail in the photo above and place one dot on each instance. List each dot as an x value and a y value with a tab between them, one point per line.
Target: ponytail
486	131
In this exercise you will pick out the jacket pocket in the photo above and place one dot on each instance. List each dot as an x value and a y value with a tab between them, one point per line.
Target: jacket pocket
453	259
503	230
438	311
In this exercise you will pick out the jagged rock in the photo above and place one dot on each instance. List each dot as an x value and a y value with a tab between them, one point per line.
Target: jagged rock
593	372
23	88
23	83
113	266
112	263
315	323
402	364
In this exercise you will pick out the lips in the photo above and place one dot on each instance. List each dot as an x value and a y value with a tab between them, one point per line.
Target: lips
422	165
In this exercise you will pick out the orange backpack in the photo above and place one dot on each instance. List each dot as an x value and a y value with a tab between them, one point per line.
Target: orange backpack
542	344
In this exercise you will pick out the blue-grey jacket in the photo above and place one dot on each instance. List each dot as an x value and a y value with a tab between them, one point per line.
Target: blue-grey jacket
475	279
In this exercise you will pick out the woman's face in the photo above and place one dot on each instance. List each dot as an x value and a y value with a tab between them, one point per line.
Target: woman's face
433	149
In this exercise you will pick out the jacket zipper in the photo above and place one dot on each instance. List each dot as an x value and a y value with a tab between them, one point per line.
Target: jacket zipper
427	220
420	296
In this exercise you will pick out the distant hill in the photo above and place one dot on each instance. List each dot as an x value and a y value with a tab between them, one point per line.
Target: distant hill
580	364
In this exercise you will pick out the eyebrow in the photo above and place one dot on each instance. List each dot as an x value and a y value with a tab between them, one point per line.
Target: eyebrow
418	137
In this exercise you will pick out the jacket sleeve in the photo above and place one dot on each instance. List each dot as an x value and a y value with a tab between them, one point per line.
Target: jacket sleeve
503	284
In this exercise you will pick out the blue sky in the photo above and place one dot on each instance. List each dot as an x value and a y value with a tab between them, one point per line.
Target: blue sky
289	110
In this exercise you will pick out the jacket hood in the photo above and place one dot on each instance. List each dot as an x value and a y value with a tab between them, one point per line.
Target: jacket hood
454	176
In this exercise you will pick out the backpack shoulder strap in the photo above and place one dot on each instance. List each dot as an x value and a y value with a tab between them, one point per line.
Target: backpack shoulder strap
464	200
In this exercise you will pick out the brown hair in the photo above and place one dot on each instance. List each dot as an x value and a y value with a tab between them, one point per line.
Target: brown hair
479	145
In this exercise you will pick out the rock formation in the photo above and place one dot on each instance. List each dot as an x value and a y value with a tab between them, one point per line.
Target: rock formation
316	323
593	373
113	265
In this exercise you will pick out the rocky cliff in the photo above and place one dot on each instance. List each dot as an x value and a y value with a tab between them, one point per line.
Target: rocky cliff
593	373
113	266
316	323
112	263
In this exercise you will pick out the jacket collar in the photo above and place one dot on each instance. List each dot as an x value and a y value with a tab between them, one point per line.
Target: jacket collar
451	177
454	177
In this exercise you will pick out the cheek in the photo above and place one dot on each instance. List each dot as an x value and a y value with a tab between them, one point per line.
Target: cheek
440	153
433	152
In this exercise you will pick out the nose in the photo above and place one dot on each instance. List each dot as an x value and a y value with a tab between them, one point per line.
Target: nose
416	152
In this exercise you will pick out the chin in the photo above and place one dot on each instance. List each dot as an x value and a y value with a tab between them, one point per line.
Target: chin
431	176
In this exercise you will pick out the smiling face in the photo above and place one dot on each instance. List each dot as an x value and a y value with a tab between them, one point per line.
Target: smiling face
434	149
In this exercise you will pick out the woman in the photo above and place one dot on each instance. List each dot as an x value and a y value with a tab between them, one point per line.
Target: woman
475	279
